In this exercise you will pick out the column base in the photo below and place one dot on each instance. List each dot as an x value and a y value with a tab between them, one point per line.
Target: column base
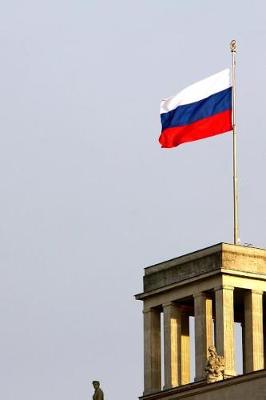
200	378
150	391
168	387
229	374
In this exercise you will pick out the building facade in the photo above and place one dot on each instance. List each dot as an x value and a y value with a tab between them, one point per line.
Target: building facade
215	287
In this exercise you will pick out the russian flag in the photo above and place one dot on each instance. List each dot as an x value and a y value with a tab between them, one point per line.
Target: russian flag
199	111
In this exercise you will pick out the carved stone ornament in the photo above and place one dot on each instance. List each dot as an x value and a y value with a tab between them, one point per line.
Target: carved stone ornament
215	366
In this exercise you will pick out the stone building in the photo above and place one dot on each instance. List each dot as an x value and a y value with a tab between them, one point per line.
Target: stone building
216	288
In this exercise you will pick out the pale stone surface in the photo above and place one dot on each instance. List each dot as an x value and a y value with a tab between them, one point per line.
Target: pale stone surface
185	350
152	351
203	332
206	275
225	327
244	387
222	256
264	337
254	348
172	345
182	290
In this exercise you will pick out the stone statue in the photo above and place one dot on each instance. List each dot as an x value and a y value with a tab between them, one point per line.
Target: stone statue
215	366
98	393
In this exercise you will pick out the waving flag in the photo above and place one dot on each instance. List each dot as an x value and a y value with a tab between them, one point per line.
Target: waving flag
199	111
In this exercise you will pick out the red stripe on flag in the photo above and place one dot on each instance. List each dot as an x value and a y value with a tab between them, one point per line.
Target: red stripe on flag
206	127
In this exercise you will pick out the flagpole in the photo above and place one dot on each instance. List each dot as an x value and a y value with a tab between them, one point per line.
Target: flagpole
235	181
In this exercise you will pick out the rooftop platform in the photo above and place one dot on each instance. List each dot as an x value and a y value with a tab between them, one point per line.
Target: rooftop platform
222	258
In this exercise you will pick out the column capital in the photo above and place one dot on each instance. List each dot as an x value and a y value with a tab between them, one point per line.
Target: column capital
147	310
255	291
199	294
223	287
169	304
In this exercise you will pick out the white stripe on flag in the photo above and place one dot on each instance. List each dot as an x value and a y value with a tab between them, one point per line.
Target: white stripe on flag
198	91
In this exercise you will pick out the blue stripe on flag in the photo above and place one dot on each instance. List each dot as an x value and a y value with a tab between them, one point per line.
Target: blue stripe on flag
189	113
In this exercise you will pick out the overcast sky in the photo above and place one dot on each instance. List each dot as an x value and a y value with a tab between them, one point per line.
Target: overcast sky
88	198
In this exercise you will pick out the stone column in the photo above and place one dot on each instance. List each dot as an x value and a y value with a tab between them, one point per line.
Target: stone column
152	350
254	348
203	332
172	345
185	350
224	306
243	344
264	334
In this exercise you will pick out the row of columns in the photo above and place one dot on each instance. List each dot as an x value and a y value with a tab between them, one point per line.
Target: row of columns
177	341
176	348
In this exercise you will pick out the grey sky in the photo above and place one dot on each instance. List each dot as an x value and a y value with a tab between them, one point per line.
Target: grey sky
88	198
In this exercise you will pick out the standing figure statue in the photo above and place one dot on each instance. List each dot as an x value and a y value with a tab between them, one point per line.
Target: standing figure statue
98	393
215	366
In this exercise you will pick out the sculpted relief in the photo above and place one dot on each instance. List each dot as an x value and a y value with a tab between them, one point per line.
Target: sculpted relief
215	366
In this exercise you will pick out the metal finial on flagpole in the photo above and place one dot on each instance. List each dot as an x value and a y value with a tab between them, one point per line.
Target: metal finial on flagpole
233	48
